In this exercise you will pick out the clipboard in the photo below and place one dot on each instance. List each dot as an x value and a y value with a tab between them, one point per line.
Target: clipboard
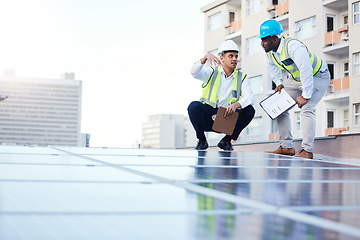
277	103
225	125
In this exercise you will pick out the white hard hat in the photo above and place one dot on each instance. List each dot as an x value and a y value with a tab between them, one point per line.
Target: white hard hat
228	45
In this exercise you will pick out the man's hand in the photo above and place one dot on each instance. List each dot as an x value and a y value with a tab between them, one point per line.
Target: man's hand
301	101
278	88
231	109
214	61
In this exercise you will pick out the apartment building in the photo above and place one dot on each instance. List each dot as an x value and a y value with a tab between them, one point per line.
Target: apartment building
329	28
40	111
167	131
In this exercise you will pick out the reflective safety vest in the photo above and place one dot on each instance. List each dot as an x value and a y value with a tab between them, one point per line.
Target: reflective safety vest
211	88
289	65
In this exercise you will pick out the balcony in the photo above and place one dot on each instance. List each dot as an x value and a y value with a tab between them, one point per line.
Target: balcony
335	131
273	136
337	42
234	29
276	11
339	5
337	92
340	84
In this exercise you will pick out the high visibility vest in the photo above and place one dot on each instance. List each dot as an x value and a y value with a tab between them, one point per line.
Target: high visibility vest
289	65
211	88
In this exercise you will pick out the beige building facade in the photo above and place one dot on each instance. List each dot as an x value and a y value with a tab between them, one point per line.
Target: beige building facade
330	29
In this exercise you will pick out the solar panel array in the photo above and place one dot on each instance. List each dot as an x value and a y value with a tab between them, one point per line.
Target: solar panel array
109	193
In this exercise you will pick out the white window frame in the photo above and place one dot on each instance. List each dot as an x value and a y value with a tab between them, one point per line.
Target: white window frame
346	120
299	27
357	13
251	44
356	64
254	86
251	9
211	25
357	114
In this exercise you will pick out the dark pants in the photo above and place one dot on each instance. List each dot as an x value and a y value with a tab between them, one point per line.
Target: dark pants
201	118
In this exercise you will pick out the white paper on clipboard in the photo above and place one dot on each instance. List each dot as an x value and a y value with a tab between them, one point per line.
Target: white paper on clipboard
277	103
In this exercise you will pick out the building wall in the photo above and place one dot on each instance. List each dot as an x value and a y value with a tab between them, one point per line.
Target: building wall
40	111
254	64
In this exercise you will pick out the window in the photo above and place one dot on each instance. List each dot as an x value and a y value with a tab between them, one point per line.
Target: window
214	21
305	28
256	84
356	63
346	20
330	23
356	13
330	118
346	117
255	127
253	45
254	6
357	114
297	121
346	69
231	17
331	70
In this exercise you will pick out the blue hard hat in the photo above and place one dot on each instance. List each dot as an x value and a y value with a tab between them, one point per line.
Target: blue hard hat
270	28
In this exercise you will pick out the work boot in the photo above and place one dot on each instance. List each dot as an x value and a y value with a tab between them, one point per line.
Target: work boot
283	151
304	154
202	145
224	145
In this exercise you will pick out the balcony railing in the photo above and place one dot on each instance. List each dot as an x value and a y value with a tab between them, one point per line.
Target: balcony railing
337	36
273	136
335	131
340	84
278	10
233	27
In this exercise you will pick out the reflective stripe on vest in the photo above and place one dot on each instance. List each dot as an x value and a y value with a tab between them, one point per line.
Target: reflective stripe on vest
289	65
211	88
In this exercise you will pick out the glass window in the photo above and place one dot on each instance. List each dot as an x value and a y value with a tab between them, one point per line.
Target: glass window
297	121
357	114
305	28
356	13
255	6
346	117
346	20
255	127
256	84
330	119
214	21
356	63
253	45
346	69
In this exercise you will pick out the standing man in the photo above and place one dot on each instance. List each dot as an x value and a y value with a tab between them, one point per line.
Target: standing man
310	80
223	86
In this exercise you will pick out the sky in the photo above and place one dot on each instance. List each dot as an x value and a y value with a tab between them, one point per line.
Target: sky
133	57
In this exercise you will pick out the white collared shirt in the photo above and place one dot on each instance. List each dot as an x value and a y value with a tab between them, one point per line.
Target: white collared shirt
299	54
202	73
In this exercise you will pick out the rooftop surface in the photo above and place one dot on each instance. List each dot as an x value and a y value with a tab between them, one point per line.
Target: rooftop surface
108	193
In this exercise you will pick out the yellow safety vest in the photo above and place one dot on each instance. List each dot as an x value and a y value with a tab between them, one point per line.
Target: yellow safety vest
289	65
211	88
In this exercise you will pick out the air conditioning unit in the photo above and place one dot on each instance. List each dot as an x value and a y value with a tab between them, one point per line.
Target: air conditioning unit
345	36
330	89
272	14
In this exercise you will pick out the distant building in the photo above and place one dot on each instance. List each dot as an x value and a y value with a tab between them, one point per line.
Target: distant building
85	140
165	131
40	111
326	27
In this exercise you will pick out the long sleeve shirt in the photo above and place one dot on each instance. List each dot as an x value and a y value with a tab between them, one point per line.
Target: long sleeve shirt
202	73
299	54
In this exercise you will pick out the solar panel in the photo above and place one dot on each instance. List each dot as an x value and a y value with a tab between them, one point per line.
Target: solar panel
110	193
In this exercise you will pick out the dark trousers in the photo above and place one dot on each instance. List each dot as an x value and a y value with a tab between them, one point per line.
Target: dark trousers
201	118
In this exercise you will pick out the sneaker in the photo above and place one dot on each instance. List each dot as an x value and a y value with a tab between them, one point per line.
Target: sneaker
225	145
283	151
201	145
